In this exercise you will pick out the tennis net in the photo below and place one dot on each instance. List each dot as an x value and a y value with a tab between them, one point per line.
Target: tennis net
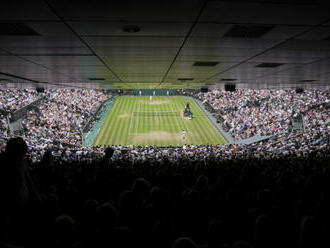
156	113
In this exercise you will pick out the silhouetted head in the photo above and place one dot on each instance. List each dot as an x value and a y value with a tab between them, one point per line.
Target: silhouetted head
109	152
242	244
202	182
16	148
163	233
191	195
65	227
265	198
263	231
140	185
216	233
106	216
126	200
184	242
47	155
310	232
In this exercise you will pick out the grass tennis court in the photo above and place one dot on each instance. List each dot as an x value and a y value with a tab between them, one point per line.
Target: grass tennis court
141	121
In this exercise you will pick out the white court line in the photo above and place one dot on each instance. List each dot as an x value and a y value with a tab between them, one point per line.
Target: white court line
130	123
185	126
166	125
176	120
137	122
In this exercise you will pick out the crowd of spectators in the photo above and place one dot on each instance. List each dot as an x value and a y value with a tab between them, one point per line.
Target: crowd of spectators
314	137
14	99
281	202
275	193
59	119
62	116
247	113
3	128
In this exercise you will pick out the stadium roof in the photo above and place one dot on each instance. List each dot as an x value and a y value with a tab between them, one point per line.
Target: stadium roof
165	44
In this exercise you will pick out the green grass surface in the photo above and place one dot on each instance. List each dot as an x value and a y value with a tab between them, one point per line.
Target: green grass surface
125	124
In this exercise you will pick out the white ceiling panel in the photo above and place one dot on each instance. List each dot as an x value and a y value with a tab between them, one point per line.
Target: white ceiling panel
39	41
319	33
141	78
185	67
250	71
210	30
53	51
50	28
284	32
26	10
290	53
116	28
130	41
220	51
274	57
213	42
218	57
12	61
139	63
307	45
128	10
140	69
136	53
52	61
270	13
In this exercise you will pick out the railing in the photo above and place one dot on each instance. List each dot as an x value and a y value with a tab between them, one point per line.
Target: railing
218	126
10	131
18	114
91	119
280	139
90	133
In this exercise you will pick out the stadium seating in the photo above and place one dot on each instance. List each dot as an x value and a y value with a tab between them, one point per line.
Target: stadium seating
155	202
273	193
64	125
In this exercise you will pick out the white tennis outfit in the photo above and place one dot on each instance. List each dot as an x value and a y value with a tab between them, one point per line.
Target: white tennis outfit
183	134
